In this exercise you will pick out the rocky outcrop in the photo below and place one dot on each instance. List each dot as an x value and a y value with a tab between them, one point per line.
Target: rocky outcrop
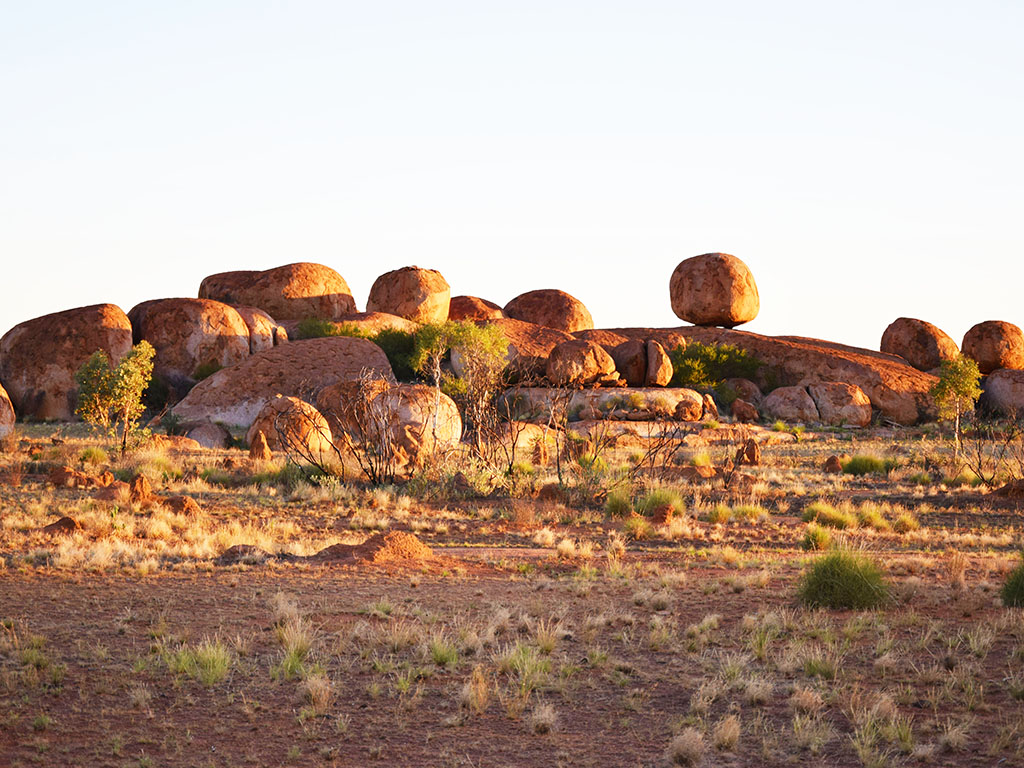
841	404
291	292
293	426
473	308
264	331
420	419
714	289
580	363
192	338
630	359
535	404
744	412
420	295
919	343
1004	392
236	395
659	366
550	308
207	434
39	358
790	404
995	344
529	347
7	416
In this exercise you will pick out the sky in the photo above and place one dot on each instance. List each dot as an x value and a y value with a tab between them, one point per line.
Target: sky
866	160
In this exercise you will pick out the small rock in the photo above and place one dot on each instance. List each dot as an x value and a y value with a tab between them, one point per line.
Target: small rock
832	466
744	412
259	450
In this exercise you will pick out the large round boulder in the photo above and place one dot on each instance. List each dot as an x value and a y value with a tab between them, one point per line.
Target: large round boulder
790	404
841	404
919	343
418	420
264	331
420	295
293	426
995	344
236	395
39	358
7	416
292	292
1004	392
714	289
630	358
192	338
473	308
580	363
550	308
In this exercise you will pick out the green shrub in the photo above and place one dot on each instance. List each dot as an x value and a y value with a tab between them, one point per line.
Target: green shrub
1013	590
720	514
920	478
816	538
316	328
399	346
93	455
843	580
110	397
705	367
870	516
749	512
823	513
206	370
905	523
638	528
660	498
868	465
618	504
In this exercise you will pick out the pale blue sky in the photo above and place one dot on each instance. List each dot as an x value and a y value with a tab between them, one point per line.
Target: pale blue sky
865	159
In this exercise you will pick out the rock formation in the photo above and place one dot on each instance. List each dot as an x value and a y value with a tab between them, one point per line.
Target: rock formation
291	292
714	289
552	309
420	295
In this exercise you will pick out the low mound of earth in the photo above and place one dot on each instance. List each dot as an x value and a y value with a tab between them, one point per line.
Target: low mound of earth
894	387
392	549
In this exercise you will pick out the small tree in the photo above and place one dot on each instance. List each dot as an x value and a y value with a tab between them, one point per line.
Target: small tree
956	393
111	398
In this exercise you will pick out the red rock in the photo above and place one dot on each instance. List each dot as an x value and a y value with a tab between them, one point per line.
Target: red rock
140	490
39	358
473	308
259	450
292	426
832	466
631	361
791	404
65	526
1004	392
550	308
236	395
690	406
919	343
290	292
659	366
7	416
714	289
841	404
192	338
710	408
207	434
994	345
744	412
529	346
745	389
579	363
181	505
374	322
420	295
264	331
748	454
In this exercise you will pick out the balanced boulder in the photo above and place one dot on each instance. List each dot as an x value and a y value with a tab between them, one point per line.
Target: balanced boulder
790	404
473	308
552	309
919	343
236	395
291	292
264	331
420	295
39	358
192	338
841	404
995	344
714	289
580	363
7	417
292	426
